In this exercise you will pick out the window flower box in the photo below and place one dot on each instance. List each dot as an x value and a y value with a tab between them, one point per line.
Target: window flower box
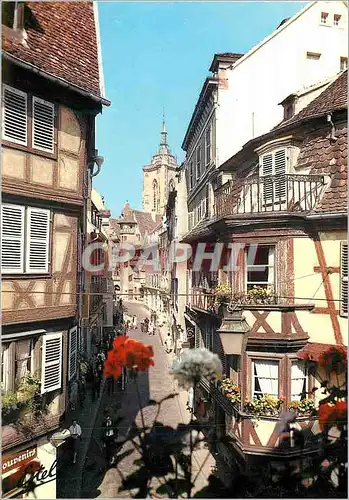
267	406
230	390
304	407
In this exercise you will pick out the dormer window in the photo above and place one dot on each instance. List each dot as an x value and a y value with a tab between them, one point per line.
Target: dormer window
324	17
336	19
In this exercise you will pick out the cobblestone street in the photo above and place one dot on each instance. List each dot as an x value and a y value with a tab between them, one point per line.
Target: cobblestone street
98	483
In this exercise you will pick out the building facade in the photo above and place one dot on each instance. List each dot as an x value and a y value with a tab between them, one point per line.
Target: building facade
48	151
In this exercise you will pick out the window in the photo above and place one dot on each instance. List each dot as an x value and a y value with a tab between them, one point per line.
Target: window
190	220
198	162
313	56
343	63
260	271
336	19
4	366
273	169
22	359
43	125
73	352
15	120
299	378
344	279
324	17
25	232
265	378
191	175
51	376
208	144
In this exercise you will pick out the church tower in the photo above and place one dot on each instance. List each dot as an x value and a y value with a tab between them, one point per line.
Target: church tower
157	176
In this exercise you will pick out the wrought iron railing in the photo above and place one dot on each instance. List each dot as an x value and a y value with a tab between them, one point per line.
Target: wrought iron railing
272	193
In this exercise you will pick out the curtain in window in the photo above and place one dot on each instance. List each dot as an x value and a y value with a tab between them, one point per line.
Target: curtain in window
297	380
23	351
267	373
271	260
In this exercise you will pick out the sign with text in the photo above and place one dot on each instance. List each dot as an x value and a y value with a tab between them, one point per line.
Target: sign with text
18	459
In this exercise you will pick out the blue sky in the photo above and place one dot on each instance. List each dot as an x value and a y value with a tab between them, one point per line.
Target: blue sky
156	55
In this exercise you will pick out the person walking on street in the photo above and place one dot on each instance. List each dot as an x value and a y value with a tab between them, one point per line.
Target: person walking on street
75	432
109	435
110	386
168	343
146	325
96	384
135	322
82	390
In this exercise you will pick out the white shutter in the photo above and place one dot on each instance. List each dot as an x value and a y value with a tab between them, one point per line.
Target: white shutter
280	170
267	169
12	239
38	238
43	125
73	352
344	279
51	372
14	115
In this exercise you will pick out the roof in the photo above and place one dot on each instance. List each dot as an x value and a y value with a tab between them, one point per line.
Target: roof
227	57
114	226
145	221
199	231
61	41
333	98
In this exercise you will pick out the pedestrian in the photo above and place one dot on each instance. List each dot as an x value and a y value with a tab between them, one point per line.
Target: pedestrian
74	395
146	325
151	329
75	433
134	321
110	386
96	384
168	343
82	390
109	435
142	326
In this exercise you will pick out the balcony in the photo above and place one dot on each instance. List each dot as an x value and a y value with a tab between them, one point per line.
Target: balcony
202	299
274	193
262	435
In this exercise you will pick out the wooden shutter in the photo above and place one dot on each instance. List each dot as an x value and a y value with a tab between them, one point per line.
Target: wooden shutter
267	169
344	279
14	116
73	352
280	170
43	125
38	238
51	372
12	239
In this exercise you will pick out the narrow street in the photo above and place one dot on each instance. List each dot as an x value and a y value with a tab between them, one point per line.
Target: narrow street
98	483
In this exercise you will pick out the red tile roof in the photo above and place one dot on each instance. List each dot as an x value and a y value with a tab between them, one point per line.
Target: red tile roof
61	41
145	221
333	98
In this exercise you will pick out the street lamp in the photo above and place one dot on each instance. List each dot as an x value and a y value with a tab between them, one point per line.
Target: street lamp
233	331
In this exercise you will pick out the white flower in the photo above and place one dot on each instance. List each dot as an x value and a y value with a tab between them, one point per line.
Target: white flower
195	364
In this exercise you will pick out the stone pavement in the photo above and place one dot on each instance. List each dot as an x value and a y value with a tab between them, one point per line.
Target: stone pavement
153	385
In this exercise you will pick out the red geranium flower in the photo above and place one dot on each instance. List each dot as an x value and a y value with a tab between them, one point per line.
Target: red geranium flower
127	353
331	414
334	359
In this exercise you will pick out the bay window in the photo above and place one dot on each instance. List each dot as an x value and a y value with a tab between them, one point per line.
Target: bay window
265	379
260	266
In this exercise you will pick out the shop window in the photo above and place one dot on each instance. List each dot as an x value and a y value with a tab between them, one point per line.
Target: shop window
260	266
265	379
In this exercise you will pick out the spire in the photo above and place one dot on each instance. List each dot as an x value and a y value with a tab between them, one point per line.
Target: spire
164	149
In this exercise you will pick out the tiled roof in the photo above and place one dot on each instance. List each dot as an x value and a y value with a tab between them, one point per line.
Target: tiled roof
61	41
325	156
114	226
145	221
333	98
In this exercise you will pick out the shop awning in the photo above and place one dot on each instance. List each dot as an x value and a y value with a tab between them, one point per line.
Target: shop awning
313	351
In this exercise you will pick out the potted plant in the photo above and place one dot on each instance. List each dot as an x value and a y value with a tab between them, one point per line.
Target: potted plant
11	407
304	407
260	295
266	405
29	394
231	390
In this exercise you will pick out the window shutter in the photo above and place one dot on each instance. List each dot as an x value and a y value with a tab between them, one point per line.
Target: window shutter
51	373
280	170
38	237
344	279
73	352
43	125
267	169
12	238
190	220
14	115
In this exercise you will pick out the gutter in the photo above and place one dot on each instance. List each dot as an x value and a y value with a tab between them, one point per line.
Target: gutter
55	79
326	216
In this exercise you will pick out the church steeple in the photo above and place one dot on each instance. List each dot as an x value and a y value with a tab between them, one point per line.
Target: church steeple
164	149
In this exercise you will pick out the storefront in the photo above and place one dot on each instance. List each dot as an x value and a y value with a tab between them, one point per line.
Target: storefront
30	471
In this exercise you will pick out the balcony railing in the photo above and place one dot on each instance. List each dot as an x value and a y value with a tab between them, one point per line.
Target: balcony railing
202	299
272	193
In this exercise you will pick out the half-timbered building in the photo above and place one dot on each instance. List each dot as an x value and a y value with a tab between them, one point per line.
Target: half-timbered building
52	91
282	220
